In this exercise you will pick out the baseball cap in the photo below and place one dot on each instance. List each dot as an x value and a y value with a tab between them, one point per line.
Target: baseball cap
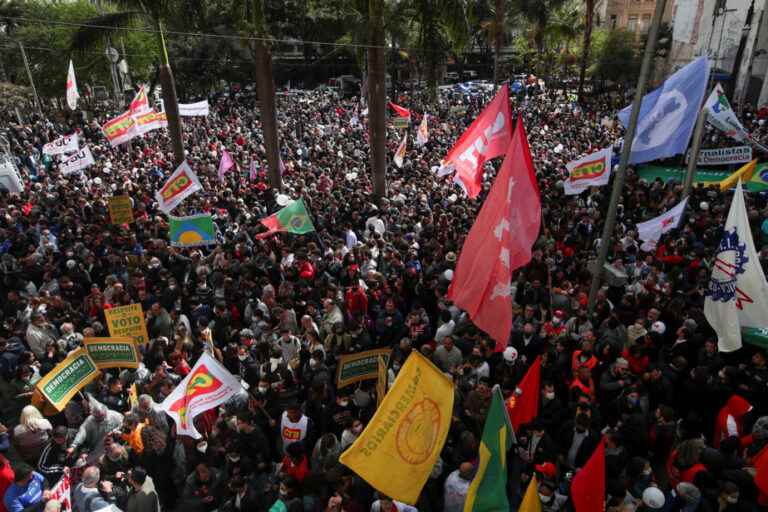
659	327
510	354
547	469
653	498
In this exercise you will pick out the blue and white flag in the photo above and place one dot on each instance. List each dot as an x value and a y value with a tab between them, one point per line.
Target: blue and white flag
667	114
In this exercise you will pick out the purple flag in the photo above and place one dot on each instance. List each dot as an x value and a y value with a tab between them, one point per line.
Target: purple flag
225	164
253	174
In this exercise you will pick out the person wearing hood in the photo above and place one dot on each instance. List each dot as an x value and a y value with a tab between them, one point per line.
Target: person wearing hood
730	420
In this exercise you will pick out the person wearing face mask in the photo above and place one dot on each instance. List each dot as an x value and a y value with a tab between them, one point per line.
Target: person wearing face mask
342	411
551	410
351	433
288	499
295	427
556	327
456	487
585	356
253	440
527	342
551	500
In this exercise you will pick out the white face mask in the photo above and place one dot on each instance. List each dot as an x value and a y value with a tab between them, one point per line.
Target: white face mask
344	403
242	357
263	389
549	396
732	499
544	498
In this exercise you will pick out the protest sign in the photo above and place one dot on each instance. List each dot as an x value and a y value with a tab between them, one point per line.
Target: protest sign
361	366
200	108
401	122
115	352
67	378
62	145
127	321
120	210
77	162
722	156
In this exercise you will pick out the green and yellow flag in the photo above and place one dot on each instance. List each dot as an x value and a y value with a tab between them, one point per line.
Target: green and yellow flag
531	501
400	445
294	218
488	490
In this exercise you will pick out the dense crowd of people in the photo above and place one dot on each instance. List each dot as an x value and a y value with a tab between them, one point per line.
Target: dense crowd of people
681	421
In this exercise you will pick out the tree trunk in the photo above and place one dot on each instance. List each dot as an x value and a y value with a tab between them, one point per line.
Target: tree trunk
590	7
497	41
169	98
265	85
377	130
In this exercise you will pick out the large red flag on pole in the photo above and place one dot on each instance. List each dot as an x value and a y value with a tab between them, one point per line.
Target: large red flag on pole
523	404
588	486
487	137
499	242
401	111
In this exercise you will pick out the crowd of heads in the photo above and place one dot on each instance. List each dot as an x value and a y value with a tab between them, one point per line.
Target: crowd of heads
642	369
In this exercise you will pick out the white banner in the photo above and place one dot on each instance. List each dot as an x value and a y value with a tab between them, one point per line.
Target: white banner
200	108
180	185
593	170
721	115
657	226
77	162
72	94
722	156
62	145
207	385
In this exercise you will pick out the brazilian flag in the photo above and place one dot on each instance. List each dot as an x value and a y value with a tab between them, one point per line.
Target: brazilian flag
294	218
192	231
759	181
488	490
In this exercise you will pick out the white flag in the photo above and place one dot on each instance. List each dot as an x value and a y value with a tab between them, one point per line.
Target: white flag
206	386
180	185
422	135
62	145
201	108
72	94
721	115
657	226
593	170
77	162
400	153
738	294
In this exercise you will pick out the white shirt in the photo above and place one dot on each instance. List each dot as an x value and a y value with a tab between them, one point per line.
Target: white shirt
456	489
444	330
351	239
401	507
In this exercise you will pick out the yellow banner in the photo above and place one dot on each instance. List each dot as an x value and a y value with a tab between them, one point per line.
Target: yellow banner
67	378
744	172
360	366
120	210
398	448
127	321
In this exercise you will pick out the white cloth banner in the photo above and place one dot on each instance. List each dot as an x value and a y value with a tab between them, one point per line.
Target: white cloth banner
400	153
722	156
206	386
180	185
657	226
200	108
72	94
593	170
62	145
738	294
77	162
721	115
422	135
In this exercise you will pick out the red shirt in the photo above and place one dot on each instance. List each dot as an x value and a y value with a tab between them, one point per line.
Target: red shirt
298	471
6	479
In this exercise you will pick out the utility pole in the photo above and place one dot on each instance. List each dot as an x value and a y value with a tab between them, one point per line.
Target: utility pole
626	151
29	74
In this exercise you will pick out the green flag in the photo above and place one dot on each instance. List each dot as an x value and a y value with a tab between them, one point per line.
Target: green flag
488	491
294	218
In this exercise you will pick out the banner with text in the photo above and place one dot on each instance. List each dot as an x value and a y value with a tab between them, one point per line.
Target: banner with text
361	366
120	210
62	145
127	321
67	378
115	352
722	156
77	162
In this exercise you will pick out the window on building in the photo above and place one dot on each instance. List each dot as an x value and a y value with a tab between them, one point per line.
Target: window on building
632	23
646	23
613	21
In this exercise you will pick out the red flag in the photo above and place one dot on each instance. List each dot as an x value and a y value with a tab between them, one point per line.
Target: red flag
487	137
760	462
499	242
401	111
523	407
588	486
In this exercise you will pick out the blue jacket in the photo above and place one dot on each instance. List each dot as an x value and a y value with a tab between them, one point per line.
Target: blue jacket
18	498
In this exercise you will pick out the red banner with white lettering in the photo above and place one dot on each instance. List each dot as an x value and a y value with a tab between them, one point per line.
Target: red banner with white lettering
62	492
487	137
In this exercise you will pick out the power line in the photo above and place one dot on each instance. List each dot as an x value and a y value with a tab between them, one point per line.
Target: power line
200	34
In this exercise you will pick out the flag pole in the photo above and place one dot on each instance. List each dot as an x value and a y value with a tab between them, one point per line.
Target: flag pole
618	180
698	133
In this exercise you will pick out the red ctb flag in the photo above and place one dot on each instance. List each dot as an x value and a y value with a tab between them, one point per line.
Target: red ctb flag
487	137
140	102
499	242
401	111
523	405
588	486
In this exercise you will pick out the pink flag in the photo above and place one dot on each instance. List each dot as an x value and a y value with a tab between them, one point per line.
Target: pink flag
253	174
499	242
225	164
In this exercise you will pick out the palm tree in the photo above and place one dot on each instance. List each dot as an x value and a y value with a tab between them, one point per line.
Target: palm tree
538	13
9	11
377	130
564	26
589	15
153	13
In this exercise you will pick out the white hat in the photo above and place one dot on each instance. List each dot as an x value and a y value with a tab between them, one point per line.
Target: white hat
510	354
659	327
448	275
653	498
704	206
283	199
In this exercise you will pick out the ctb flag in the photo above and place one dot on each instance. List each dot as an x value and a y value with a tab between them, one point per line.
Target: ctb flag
180	185
588	485
400	153
593	170
667	221
72	94
488	490
206	386
294	218
140	102
523	404
487	137
499	242
401	111
422	135
667	114
737	296
399	447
